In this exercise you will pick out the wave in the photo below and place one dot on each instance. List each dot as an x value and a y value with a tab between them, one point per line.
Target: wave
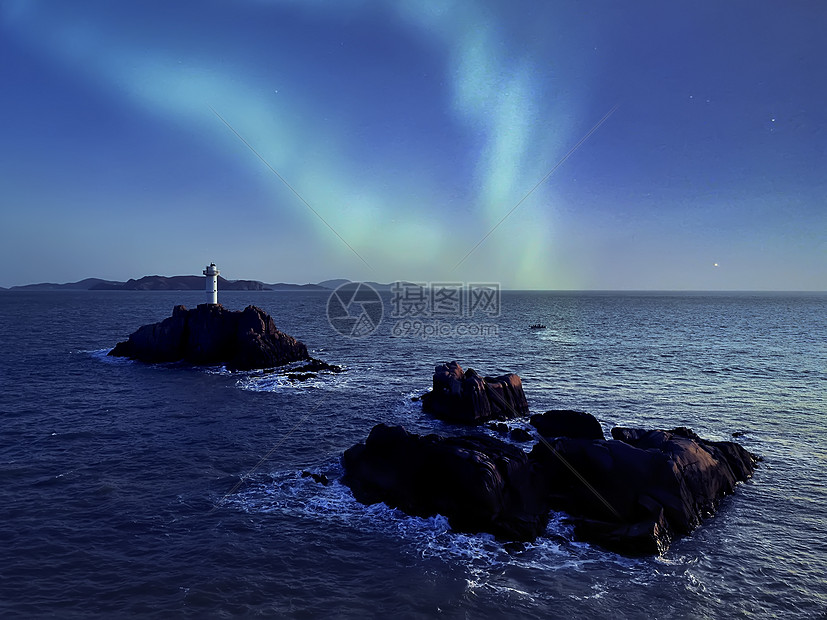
282	379
265	380
482	556
102	355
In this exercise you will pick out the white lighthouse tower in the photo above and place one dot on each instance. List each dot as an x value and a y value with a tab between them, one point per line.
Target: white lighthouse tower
212	283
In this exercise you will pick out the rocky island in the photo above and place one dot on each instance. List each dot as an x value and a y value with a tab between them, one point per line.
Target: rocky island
632	494
468	398
210	334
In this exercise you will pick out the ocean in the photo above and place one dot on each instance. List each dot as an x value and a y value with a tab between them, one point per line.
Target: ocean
119	480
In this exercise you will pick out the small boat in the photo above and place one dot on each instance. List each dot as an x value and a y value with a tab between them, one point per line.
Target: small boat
537	326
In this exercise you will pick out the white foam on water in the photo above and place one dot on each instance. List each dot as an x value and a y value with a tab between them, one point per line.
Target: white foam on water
102	355
218	370
279	381
483	558
414	407
599	589
269	380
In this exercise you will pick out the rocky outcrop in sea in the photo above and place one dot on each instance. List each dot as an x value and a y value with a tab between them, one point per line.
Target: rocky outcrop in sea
481	484
210	334
467	398
633	494
641	490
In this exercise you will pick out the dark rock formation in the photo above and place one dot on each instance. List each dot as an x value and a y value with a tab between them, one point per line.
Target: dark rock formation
310	370
209	334
520	434
314	366
636	493
516	434
498	427
711	469
565	423
470	399
480	484
633	494
300	376
320	478
514	547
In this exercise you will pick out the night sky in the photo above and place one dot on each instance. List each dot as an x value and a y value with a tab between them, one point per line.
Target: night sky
412	128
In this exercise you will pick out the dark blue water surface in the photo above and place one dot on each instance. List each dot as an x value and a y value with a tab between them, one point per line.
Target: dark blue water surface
115	475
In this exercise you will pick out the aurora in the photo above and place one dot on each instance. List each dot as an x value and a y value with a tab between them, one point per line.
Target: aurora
410	129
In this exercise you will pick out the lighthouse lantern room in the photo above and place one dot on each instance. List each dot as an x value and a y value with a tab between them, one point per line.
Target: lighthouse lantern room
212	283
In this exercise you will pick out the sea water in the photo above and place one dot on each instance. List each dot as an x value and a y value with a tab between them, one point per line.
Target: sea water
120	481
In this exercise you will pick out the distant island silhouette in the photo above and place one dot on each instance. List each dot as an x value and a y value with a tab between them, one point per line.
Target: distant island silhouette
183	283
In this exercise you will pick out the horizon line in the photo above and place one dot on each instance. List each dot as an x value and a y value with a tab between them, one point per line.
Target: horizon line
13	288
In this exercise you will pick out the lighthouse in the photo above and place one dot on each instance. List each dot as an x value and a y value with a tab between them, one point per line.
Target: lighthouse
212	283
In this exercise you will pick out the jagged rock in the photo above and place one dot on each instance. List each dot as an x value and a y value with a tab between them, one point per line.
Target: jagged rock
320	478
498	427
300	376
468	398
311	370
480	484
515	434
314	366
514	547
710	469
566	423
520	434
632	496
636	493
210	334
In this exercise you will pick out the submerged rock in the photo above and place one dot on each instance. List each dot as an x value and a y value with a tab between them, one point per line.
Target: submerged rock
320	478
311	370
314	366
468	398
515	434
209	334
498	427
300	376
